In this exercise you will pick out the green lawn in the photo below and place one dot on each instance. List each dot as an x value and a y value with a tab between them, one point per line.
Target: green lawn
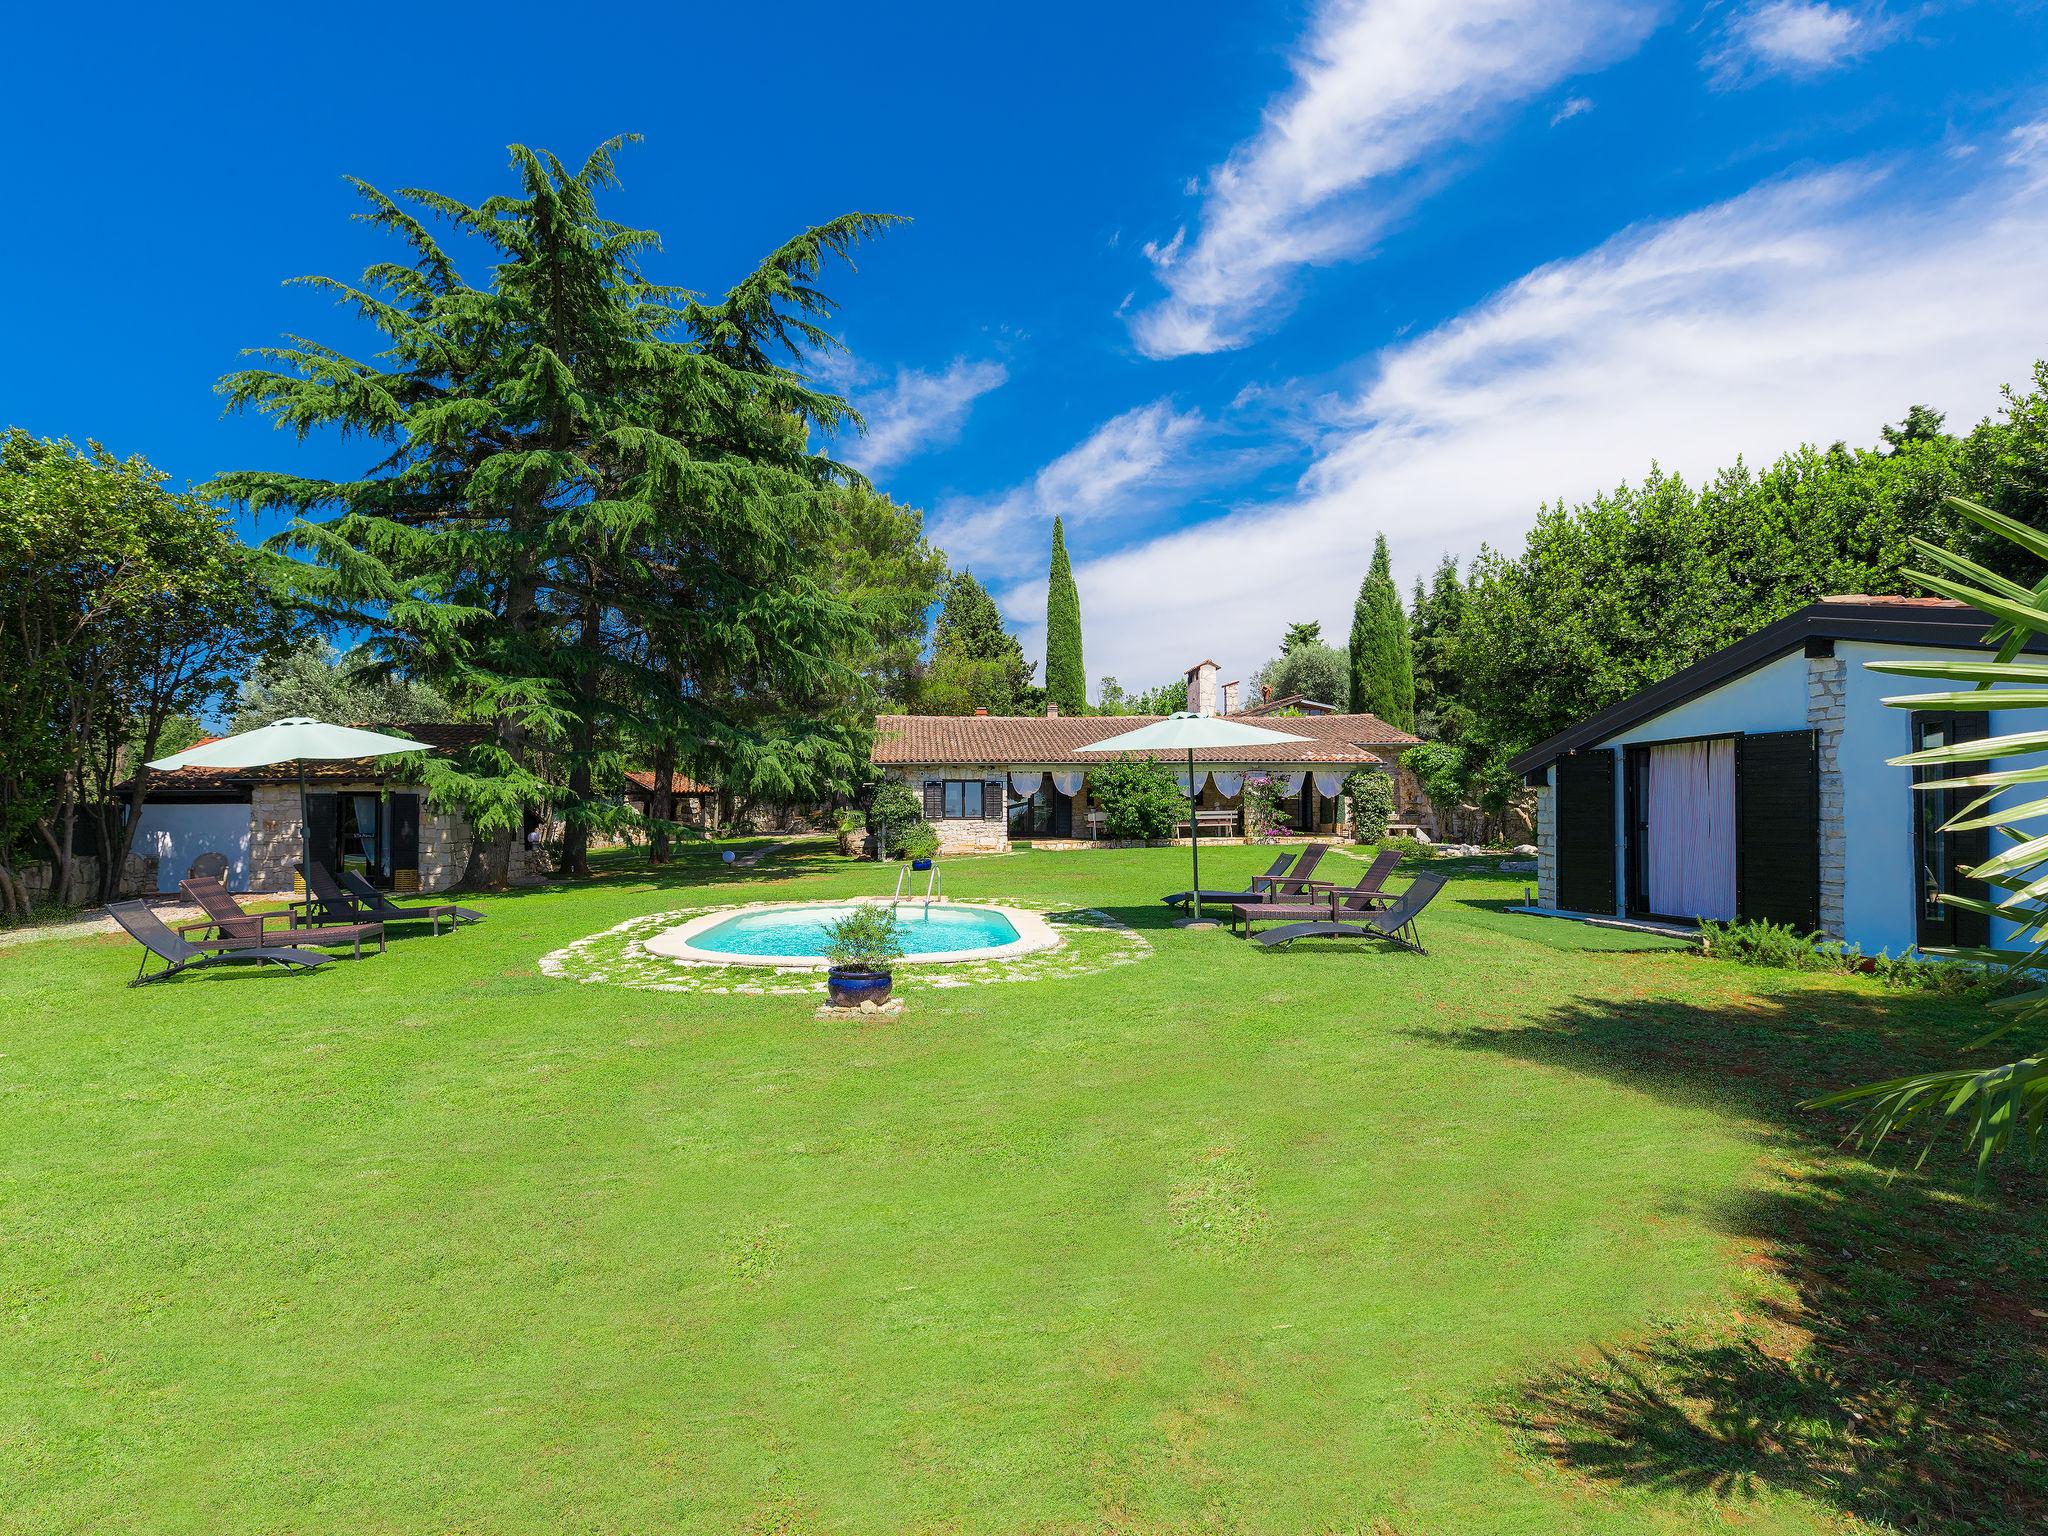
1524	1236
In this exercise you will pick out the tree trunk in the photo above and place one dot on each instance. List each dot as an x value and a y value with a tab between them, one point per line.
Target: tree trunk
664	804
575	829
114	852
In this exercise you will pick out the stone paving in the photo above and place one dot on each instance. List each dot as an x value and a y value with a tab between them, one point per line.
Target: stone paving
1090	941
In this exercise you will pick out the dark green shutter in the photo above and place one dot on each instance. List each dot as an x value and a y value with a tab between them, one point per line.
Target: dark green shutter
1777	829
934	801
1585	832
1973	847
405	832
323	822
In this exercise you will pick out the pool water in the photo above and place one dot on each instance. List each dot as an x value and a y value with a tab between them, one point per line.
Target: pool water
938	930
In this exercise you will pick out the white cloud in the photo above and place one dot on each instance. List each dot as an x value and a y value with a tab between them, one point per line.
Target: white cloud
2027	150
1806	311
1572	107
1794	37
1381	88
920	412
1130	466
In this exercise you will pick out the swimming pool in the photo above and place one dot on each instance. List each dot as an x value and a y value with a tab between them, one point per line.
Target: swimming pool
792	935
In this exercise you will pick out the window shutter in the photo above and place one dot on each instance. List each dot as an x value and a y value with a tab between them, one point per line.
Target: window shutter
323	821
1777	829
934	800
405	832
993	801
1585	832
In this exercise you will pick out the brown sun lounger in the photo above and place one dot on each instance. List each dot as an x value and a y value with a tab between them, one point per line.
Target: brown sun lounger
1273	883
1394	923
154	935
234	928
1328	901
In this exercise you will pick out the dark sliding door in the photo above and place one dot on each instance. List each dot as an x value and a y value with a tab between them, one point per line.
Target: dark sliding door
1940	857
1585	832
1777	793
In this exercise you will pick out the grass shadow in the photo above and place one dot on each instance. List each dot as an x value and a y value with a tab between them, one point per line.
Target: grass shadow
1894	1363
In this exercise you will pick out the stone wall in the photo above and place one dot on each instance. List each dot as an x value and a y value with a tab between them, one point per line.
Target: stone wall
1546	846
1826	710
958	835
444	849
273	836
138	878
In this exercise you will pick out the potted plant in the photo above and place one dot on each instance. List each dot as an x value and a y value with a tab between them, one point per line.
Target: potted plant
861	946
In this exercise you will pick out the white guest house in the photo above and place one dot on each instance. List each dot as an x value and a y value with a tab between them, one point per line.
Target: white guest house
246	822
1755	784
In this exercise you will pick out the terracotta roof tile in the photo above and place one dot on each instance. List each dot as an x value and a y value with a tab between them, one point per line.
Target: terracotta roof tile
678	784
1034	740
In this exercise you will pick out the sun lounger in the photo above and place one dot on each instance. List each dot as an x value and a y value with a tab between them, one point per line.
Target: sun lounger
381	907
234	928
1326	902
150	931
1273	883
1395	923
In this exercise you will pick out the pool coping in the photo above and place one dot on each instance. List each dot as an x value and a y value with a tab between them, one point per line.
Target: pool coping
1034	934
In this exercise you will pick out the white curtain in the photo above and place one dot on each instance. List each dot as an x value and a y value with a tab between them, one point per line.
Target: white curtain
1026	784
1181	778
1689	826
1067	783
1329	785
1227	784
1289	783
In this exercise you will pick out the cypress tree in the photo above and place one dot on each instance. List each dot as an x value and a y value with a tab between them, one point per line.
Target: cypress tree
1382	666
1066	679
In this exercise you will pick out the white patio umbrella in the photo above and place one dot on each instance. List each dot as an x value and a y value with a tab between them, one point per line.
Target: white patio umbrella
1190	733
299	741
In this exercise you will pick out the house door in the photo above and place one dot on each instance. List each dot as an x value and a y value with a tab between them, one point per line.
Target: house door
360	838
1940	857
1683	827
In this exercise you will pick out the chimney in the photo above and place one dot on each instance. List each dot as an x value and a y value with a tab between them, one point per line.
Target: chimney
1230	698
981	711
1265	693
1052	711
1202	688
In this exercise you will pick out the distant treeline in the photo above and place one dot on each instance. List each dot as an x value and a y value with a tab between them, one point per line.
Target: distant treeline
1621	591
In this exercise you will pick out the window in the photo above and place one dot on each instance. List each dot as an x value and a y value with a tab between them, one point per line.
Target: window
963	800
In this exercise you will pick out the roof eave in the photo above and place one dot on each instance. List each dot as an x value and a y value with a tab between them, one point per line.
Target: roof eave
1883	623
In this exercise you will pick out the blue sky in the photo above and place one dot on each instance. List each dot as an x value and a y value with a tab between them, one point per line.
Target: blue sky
1233	287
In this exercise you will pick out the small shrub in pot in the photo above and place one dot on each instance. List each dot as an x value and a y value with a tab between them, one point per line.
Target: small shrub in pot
862	946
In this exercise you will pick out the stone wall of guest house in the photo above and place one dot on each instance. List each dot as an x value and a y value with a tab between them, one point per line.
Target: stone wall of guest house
988	833
274	839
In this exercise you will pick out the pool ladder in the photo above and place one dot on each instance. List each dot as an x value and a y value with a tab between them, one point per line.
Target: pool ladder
934	888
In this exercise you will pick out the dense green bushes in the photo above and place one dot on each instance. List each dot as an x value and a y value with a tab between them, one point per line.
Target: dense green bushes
1138	798
1620	591
1780	946
1372	804
898	811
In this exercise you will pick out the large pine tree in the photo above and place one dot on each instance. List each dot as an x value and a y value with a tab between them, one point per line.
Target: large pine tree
1066	678
1382	669
596	515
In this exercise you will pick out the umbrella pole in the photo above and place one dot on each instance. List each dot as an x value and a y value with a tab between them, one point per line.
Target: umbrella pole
305	844
1194	835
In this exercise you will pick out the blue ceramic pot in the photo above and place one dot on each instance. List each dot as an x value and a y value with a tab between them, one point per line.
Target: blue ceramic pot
920	865
847	988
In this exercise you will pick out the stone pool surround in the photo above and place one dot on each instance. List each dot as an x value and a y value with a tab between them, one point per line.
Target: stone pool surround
1034	934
